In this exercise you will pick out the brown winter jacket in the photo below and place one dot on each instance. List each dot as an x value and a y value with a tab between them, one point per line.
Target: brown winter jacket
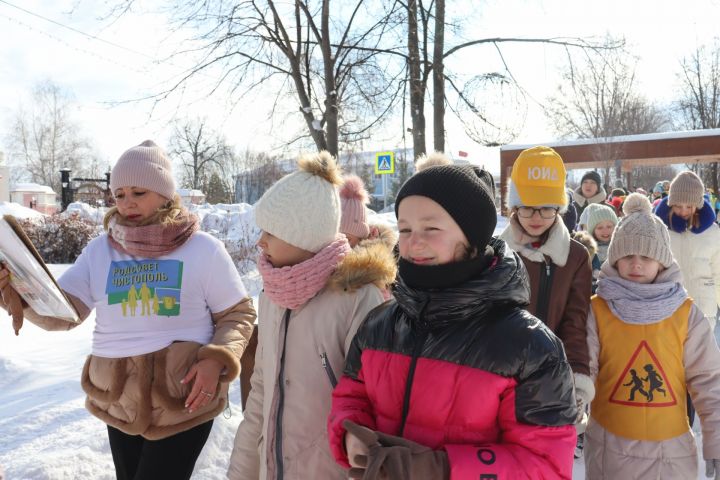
142	395
563	301
312	357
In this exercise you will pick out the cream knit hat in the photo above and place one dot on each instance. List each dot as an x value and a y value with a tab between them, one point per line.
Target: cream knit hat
144	166
303	208
686	187
596	213
640	233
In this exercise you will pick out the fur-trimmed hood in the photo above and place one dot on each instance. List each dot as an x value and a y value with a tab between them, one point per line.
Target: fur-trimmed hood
370	262
382	233
588	241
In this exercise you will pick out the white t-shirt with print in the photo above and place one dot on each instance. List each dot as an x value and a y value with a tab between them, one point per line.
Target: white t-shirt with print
145	304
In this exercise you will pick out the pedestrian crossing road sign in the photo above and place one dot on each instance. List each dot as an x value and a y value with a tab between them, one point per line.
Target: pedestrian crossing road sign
384	163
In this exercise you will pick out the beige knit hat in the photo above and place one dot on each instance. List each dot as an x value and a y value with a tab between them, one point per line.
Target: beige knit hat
353	198
686	187
640	233
144	166
303	208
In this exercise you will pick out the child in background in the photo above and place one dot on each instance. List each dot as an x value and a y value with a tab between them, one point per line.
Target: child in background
601	222
354	219
590	191
558	266
694	240
453	378
642	320
317	291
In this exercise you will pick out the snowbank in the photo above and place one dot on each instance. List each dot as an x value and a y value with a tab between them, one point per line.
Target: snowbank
18	211
85	212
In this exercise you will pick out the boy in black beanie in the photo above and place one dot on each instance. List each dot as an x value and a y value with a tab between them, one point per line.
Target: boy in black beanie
454	361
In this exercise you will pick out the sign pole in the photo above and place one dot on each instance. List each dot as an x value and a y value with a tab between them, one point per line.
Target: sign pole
384	192
384	165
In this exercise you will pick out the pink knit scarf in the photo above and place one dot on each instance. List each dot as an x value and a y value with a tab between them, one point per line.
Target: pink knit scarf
151	241
292	286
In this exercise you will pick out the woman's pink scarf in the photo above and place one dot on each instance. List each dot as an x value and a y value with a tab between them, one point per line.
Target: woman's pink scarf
292	286
154	240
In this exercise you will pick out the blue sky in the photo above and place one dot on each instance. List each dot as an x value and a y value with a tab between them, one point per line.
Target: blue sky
659	32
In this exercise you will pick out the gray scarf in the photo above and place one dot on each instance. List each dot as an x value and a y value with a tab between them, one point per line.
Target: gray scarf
640	303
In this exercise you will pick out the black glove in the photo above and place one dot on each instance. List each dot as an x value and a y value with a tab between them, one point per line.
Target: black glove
395	458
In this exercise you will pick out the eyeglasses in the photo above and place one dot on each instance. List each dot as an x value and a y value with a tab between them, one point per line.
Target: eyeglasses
545	212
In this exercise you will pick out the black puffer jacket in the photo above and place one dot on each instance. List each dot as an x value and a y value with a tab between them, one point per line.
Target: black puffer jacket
464	365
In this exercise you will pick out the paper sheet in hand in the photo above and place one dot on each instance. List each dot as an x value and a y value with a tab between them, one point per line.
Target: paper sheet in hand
30	276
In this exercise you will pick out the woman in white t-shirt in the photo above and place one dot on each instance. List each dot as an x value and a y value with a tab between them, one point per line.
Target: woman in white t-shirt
172	320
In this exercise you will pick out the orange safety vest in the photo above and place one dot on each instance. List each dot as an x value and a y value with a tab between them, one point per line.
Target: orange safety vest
640	390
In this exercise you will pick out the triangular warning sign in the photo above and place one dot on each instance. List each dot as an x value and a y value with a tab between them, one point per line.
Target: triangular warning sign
384	164
643	382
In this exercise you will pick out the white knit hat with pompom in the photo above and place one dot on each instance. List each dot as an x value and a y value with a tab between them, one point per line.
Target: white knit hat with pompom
640	233
303	208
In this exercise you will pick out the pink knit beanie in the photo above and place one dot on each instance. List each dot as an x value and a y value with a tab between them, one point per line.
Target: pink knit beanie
353	198
144	166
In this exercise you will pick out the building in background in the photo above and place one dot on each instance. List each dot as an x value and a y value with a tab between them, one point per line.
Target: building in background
38	197
191	197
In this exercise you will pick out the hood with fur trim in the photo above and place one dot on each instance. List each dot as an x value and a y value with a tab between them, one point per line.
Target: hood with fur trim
382	233
588	242
370	262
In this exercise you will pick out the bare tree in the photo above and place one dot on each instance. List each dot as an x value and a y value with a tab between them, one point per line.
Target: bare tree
200	151
699	103
482	101
327	59
647	176
258	171
45	138
598	98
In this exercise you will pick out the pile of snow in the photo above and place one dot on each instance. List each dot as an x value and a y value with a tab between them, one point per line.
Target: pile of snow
85	212
18	211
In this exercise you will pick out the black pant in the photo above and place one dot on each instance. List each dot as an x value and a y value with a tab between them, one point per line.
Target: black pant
172	458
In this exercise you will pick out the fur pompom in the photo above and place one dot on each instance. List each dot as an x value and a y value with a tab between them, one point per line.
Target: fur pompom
432	160
322	165
636	203
354	189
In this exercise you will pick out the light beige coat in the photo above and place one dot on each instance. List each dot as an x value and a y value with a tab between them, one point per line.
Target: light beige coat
608	456
698	255
325	325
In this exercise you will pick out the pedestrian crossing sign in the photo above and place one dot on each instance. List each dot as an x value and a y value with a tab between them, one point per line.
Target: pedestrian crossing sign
384	163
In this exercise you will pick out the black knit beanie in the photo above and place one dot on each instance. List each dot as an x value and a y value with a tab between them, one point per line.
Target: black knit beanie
466	192
594	176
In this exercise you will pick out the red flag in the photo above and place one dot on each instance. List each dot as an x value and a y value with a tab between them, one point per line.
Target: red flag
462	154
